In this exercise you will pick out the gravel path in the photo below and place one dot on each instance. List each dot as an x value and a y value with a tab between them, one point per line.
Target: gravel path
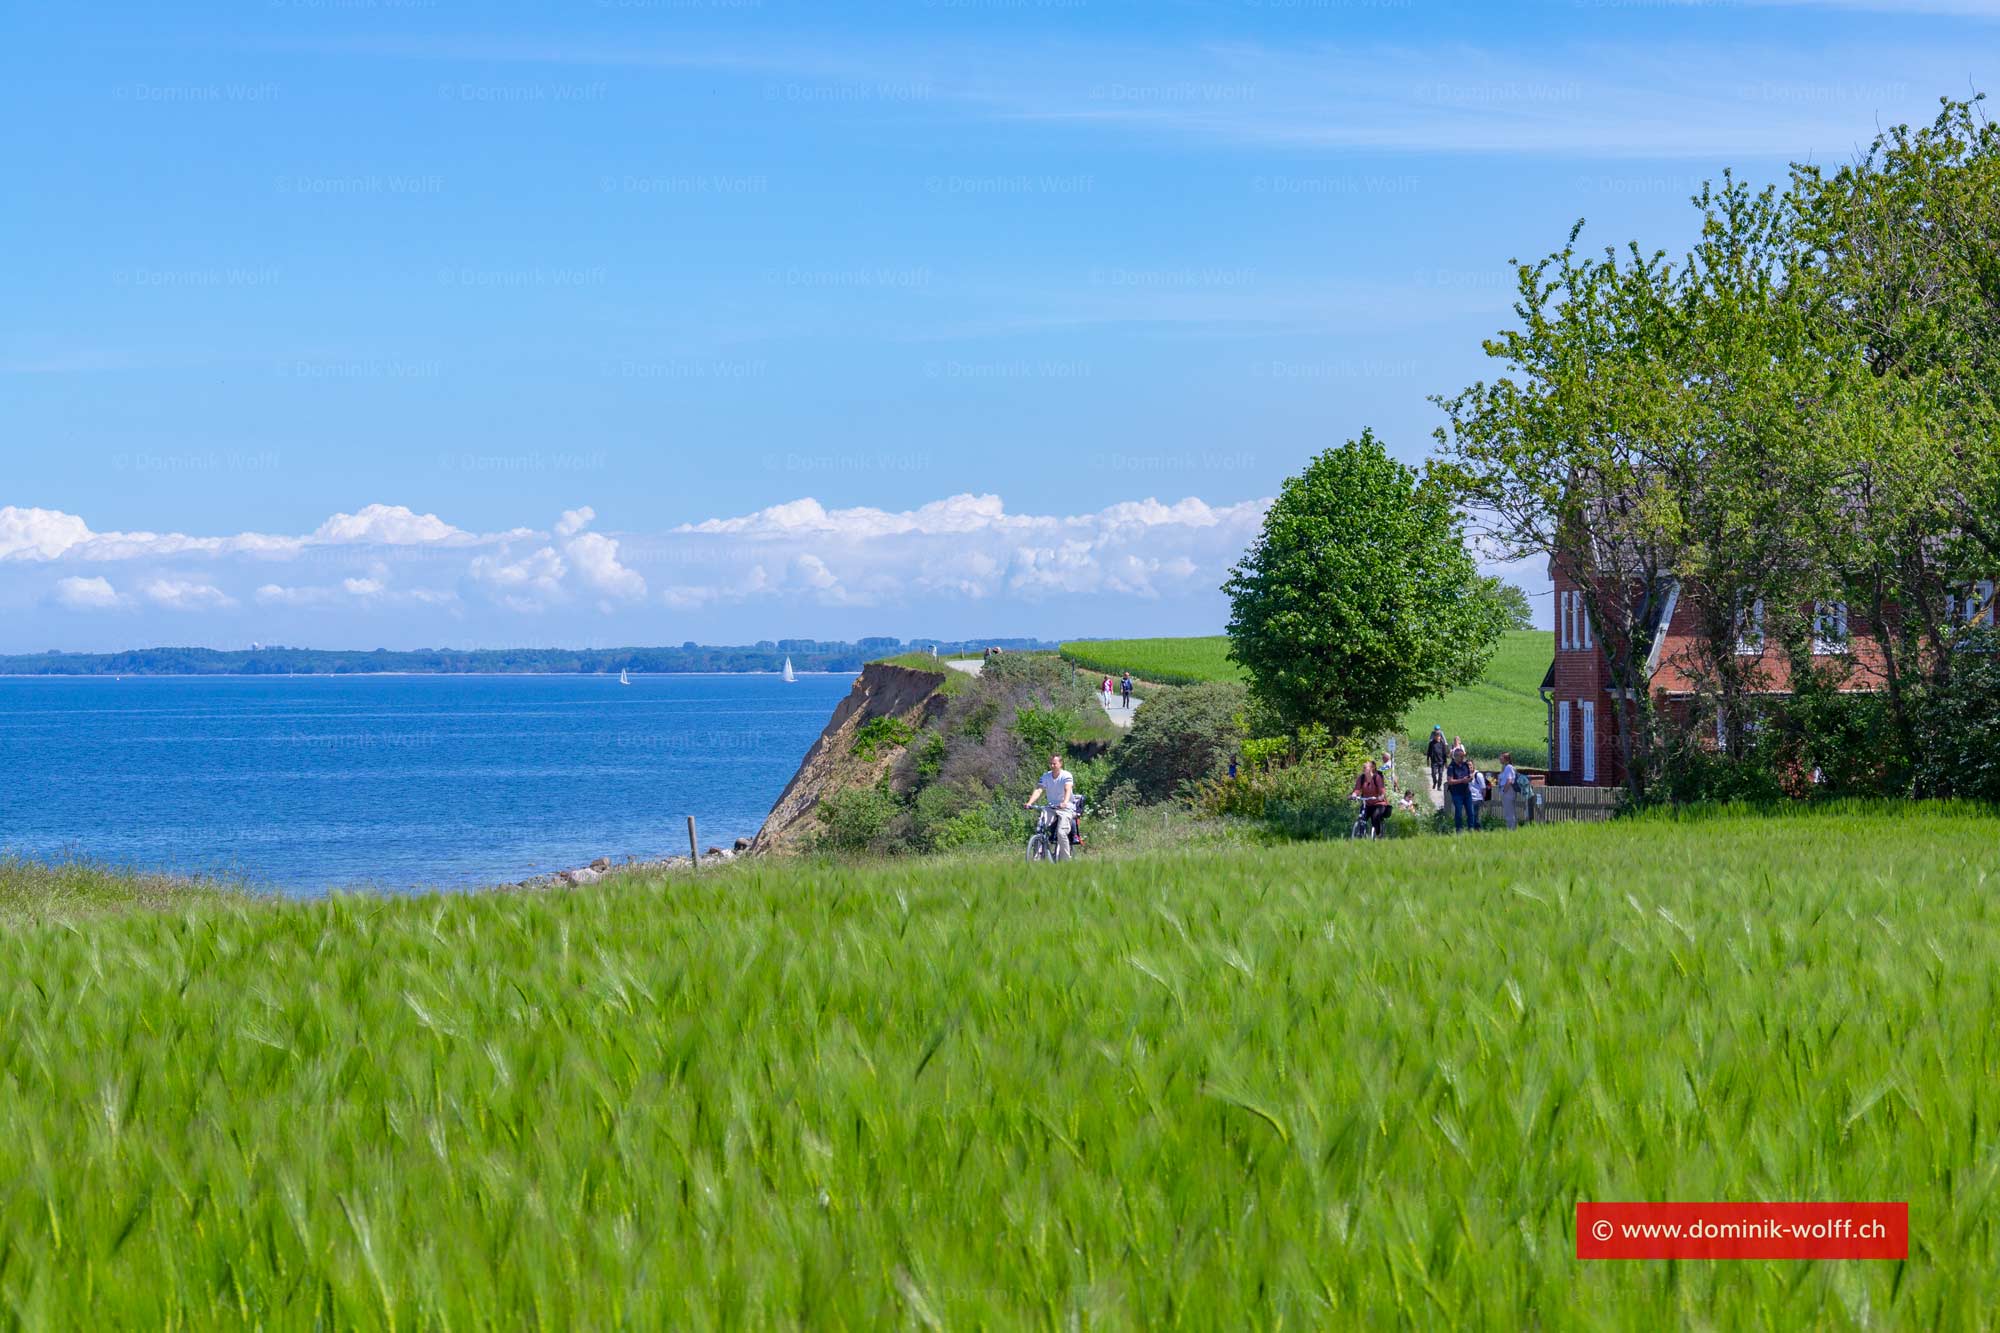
1114	708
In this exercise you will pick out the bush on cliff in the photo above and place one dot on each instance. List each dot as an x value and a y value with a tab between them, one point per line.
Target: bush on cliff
855	819
1182	735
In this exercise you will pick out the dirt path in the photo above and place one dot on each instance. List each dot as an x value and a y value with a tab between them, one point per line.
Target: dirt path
1113	707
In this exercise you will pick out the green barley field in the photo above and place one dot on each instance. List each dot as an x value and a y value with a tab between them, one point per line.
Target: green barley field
1167	661
1308	1086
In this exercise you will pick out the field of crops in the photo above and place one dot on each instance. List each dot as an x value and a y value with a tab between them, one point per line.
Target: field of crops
1308	1086
1168	661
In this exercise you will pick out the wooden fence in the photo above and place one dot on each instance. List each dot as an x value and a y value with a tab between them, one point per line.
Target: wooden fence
1576	804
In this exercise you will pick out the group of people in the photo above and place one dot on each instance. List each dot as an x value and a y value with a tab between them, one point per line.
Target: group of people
1465	786
1124	690
1468	788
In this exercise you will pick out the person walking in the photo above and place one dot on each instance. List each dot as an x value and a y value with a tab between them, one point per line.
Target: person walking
1125	689
1439	754
1510	778
1458	783
1107	691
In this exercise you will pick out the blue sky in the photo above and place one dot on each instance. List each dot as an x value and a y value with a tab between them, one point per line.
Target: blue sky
406	322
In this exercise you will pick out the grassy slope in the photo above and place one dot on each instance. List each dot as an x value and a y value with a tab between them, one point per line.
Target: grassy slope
1501	712
1329	1085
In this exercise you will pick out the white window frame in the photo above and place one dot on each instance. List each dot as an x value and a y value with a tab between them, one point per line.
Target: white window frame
1562	621
1750	628
1589	710
1582	623
1829	616
1562	734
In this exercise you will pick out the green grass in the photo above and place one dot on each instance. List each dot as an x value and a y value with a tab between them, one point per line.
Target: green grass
1308	1086
1502	711
1167	661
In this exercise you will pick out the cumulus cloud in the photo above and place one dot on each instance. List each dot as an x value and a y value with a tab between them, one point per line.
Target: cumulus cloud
389	525
51	534
187	595
528	584
94	594
595	558
38	534
574	521
968	547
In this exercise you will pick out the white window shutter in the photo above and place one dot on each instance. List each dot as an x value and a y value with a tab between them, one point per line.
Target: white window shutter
1589	740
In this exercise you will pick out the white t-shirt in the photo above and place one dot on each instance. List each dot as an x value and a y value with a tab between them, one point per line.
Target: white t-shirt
1056	788
1478	785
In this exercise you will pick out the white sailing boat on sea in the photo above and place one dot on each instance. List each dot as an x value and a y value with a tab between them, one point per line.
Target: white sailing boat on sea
624	678
789	677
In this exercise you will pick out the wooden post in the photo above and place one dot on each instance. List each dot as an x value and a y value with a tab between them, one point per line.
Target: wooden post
694	848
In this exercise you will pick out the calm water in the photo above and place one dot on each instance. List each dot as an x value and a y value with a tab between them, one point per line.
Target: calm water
315	782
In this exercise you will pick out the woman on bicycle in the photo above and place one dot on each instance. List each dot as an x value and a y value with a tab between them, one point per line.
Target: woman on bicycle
1373	793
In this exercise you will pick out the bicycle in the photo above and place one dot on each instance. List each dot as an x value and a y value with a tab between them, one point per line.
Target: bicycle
1048	842
1362	828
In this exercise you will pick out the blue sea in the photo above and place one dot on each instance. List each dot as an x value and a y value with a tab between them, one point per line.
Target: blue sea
310	783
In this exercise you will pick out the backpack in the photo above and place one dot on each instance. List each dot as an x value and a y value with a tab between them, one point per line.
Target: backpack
1523	785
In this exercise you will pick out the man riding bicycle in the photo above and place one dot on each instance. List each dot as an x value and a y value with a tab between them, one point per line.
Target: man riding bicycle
1056	787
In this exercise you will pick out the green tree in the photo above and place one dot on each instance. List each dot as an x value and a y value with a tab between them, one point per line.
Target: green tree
1353	601
1508	601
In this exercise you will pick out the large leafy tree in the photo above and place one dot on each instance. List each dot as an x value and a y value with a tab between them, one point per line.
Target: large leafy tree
1353	603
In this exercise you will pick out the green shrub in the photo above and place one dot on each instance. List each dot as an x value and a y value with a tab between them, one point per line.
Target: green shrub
1044	730
930	757
881	733
855	819
1182	735
1300	788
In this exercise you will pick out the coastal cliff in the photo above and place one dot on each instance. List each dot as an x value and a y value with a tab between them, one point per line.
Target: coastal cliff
881	690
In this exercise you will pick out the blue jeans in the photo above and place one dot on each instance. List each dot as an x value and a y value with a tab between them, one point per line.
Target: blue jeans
1464	814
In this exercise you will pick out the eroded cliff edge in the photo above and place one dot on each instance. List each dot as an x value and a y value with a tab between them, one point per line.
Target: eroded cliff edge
881	690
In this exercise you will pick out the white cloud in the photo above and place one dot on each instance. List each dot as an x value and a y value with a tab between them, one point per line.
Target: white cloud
38	534
595	559
961	547
187	595
957	549
94	594
272	594
389	525
51	534
529	584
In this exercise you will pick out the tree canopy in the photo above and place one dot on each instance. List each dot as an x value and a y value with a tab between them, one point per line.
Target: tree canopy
1354	602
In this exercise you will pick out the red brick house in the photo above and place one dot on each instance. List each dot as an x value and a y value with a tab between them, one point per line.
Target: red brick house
1583	717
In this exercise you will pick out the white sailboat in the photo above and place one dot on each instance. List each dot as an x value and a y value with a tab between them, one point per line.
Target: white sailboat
623	677
789	677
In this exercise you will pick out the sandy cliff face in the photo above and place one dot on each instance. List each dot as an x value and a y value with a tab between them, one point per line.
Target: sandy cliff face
831	764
